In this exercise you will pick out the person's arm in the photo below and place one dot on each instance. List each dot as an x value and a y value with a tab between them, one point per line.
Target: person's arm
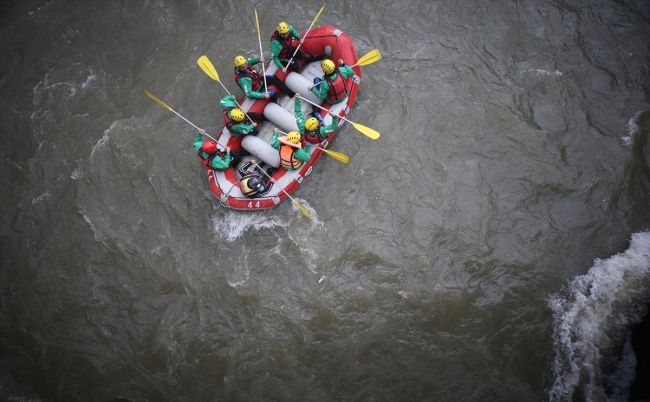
221	164
297	106
246	85
241	129
346	71
253	60
243	169
276	49
274	141
321	89
303	154
295	33
228	101
198	142
326	130
297	110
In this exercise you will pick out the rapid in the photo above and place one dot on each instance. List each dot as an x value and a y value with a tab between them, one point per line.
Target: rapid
492	245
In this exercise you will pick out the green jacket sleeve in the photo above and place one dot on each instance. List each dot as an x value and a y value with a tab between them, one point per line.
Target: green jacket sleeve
241	129
322	89
300	119
253	60
326	130
274	142
295	33
228	101
276	48
246	85
346	71
221	164
198	142
303	154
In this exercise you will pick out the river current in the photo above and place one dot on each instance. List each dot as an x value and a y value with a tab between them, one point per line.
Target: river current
492	245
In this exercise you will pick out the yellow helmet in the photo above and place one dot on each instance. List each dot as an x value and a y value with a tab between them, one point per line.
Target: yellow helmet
283	28
293	136
311	124
240	61
237	114
328	66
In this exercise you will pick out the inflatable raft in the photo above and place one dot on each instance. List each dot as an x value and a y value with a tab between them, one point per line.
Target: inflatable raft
225	184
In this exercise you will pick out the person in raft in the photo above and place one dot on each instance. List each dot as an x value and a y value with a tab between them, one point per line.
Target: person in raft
234	118
292	156
332	88
282	48
252	82
254	184
313	129
211	156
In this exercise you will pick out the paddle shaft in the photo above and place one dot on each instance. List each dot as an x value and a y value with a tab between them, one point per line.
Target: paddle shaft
208	68
177	114
306	33
259	39
320	107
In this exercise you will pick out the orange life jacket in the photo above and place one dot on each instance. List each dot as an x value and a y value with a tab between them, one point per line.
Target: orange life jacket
287	158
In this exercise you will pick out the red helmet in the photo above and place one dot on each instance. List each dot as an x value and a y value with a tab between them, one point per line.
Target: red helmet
209	147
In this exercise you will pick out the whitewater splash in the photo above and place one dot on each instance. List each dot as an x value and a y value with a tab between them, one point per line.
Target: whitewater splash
592	325
234	224
632	128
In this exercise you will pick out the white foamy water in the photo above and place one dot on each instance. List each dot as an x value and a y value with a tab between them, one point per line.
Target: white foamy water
596	316
631	130
234	224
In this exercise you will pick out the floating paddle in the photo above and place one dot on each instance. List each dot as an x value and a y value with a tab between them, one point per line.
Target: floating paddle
363	129
306	33
172	110
208	68
304	211
336	155
259	39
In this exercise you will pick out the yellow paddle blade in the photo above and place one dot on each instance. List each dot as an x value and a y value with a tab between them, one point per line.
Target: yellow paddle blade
366	130
337	155
369	58
207	67
304	211
257	23
157	100
318	15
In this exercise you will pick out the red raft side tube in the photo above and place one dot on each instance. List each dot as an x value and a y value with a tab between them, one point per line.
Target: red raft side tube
224	184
